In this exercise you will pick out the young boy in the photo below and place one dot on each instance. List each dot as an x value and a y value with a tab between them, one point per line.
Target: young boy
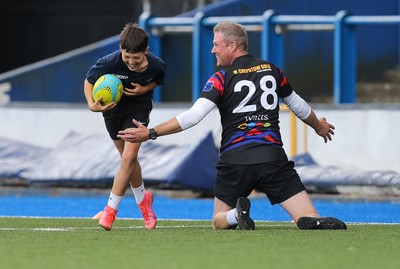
140	72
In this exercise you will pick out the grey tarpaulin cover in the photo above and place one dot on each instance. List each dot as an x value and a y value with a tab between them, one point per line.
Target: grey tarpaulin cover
91	159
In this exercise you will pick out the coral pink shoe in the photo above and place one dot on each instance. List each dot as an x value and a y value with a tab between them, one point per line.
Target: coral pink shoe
108	217
145	207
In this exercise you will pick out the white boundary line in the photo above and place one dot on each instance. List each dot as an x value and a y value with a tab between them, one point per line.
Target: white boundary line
71	229
164	219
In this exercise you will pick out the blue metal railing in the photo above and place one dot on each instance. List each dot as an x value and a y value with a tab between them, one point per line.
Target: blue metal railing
343	27
59	79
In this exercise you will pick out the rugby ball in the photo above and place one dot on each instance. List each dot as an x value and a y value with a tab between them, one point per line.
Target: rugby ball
109	87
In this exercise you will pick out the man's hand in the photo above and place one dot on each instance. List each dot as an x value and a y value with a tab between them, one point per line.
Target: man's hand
325	130
135	135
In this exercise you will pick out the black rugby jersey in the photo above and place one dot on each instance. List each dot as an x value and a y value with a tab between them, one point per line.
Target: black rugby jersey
247	95
113	64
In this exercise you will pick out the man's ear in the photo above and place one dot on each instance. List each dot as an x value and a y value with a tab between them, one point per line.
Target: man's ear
233	46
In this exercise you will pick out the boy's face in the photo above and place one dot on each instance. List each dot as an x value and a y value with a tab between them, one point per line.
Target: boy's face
134	61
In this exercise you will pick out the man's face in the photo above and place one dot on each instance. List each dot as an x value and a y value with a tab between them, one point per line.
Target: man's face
221	50
134	61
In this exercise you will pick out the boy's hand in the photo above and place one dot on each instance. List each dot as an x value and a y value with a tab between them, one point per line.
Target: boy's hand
136	90
98	107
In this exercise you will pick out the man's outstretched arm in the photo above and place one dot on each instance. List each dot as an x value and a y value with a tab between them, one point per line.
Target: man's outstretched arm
142	133
304	112
182	122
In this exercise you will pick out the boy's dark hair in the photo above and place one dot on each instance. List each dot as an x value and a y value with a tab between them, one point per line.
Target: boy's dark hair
133	39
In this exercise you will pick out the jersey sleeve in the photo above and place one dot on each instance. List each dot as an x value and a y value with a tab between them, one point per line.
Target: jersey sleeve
285	87
160	77
195	114
160	68
100	68
214	88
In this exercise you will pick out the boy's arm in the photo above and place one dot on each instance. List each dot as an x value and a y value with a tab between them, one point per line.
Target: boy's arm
138	89
87	90
95	106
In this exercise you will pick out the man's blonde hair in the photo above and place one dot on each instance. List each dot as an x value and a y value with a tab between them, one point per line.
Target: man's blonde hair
233	32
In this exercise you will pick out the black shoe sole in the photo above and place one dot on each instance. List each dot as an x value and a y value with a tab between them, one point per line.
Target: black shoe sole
328	223
243	214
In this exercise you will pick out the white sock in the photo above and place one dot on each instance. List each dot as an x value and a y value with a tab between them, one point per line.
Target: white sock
138	193
114	200
231	217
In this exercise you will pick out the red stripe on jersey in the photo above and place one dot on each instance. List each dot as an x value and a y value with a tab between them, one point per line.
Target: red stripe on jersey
253	131
218	79
271	139
237	140
284	80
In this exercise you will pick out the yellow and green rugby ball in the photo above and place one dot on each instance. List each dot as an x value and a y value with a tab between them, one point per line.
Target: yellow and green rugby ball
109	87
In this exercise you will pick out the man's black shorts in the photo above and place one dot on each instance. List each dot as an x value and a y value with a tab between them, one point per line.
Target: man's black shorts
278	180
119	123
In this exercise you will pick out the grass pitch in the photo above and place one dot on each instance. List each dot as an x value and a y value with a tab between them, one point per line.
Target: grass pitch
81	243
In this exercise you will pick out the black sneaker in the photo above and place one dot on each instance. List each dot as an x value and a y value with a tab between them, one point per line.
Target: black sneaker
232	227
243	214
328	223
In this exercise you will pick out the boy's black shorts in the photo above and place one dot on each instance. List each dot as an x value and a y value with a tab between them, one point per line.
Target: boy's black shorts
278	180
116	124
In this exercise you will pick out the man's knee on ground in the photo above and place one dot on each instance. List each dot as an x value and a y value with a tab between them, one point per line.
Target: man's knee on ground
219	222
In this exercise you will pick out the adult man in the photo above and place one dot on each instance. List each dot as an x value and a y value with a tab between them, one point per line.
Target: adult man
246	92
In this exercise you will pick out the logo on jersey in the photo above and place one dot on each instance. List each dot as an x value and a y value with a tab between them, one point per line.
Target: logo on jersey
121	76
252	132
256	117
216	81
257	68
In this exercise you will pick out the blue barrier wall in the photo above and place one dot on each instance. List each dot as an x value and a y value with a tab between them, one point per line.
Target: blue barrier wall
58	79
308	56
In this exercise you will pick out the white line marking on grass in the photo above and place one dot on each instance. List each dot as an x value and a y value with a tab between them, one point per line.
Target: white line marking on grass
173	226
65	229
70	229
372	223
123	218
258	224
